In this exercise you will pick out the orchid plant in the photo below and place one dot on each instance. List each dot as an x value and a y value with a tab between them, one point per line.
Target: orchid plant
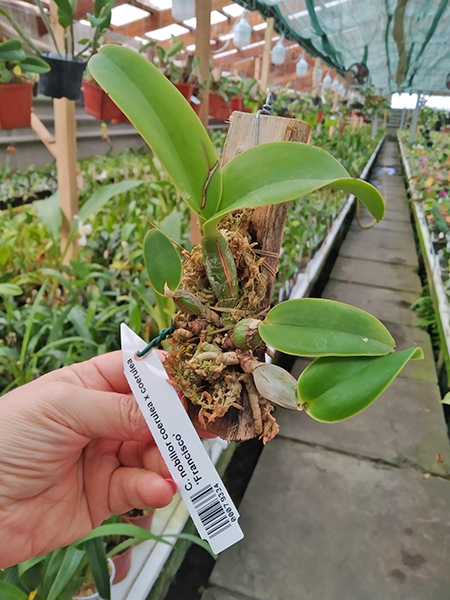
220	335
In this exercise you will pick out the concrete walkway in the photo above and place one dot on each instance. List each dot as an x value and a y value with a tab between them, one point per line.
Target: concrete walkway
358	510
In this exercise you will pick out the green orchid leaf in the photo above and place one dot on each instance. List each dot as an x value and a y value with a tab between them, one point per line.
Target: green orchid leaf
24	37
166	121
446	399
33	64
65	13
162	261
276	385
333	388
12	50
319	327
282	171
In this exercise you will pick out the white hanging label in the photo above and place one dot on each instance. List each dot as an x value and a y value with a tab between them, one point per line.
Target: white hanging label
199	484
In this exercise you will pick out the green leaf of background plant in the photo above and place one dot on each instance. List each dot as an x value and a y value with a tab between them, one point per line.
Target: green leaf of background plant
281	171
33	64
10	289
101	196
67	570
49	212
162	261
8	591
335	388
15	24
12	50
98	564
320	327
165	120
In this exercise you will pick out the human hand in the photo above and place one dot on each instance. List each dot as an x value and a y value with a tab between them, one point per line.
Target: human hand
74	449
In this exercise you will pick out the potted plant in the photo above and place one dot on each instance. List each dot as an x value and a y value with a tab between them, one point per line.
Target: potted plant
80	571
98	104
183	77
222	331
67	66
17	71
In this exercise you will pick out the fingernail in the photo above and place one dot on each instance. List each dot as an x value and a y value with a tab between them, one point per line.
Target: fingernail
173	484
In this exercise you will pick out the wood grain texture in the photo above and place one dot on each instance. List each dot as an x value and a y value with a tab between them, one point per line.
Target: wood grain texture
267	227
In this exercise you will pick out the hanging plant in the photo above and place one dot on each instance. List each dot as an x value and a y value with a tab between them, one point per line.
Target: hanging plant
220	334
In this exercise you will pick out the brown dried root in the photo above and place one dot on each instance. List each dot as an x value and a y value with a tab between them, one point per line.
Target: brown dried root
203	362
253	398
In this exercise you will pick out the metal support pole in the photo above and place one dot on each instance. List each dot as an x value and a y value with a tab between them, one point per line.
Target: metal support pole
375	126
415	118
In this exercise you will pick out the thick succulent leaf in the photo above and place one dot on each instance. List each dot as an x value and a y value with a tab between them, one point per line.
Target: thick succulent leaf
281	171
319	327
334	388
33	64
166	121
276	385
12	50
162	261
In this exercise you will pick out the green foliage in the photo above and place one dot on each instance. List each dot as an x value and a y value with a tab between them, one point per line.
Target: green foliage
162	262
166	122
319	327
270	174
16	66
333	389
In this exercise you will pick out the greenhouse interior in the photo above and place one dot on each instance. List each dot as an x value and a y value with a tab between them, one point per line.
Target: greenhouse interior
215	214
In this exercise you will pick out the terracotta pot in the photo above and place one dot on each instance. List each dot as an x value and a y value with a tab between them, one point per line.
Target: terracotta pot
237	103
186	89
218	107
98	104
144	521
122	564
15	105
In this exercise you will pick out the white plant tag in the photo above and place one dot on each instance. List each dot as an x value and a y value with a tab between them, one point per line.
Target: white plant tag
199	484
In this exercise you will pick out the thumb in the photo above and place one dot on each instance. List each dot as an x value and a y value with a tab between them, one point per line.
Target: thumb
96	414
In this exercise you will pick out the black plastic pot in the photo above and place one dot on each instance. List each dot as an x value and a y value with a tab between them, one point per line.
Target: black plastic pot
64	79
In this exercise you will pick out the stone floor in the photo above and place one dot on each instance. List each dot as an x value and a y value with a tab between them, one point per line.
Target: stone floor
359	510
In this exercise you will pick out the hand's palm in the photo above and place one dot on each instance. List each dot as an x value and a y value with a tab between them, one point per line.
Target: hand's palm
60	477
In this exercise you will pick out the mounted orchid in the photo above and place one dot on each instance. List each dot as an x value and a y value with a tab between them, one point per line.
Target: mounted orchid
220	333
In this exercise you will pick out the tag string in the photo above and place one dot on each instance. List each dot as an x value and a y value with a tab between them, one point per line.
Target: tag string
267	110
163	334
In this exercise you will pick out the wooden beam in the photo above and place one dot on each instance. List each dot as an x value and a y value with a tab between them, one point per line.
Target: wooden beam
267	229
43	134
157	19
265	68
66	154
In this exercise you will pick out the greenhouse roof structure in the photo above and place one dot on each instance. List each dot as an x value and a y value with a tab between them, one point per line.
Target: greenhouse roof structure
403	43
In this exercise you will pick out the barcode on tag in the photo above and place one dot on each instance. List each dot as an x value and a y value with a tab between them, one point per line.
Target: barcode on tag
210	511
199	484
